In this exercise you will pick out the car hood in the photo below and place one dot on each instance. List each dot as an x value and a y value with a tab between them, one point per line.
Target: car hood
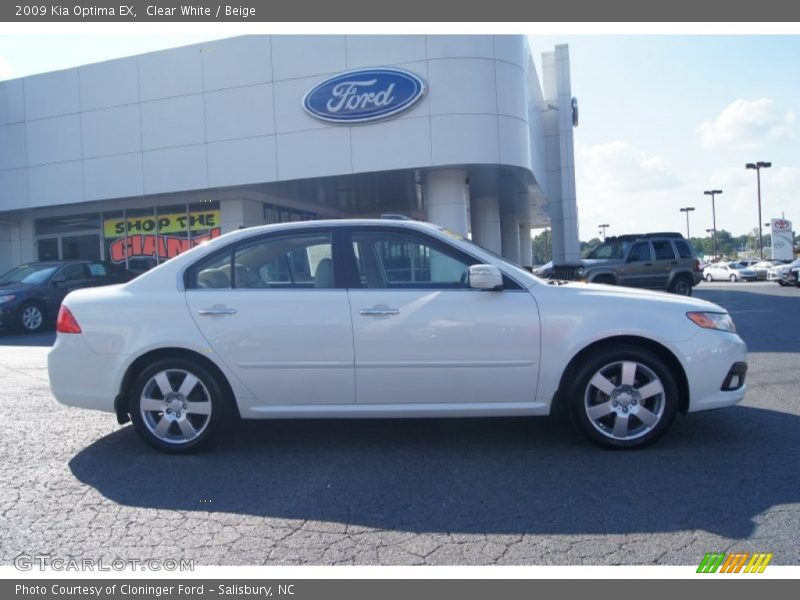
598	290
592	262
13	288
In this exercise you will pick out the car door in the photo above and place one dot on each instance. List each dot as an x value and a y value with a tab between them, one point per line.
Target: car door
638	268
68	278
664	260
273	310
422	335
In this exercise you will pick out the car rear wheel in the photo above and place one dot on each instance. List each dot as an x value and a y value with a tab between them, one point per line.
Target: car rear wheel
177	406
31	317
681	285
624	398
709	278
734	278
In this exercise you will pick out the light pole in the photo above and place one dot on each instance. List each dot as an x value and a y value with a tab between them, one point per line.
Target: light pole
758	166
687	210
603	228
712	193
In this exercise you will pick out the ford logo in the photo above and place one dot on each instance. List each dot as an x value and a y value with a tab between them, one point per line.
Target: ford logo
364	95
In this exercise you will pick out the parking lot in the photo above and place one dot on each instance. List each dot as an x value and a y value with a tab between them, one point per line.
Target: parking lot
478	491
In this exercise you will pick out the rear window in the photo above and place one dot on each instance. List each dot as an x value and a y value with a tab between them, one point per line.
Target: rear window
684	251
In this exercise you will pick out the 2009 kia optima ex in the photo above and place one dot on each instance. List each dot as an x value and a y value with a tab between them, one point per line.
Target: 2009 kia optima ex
384	318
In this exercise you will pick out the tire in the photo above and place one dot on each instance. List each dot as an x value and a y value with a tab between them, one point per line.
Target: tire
734	278
709	278
680	285
608	424
192	416
31	317
782	283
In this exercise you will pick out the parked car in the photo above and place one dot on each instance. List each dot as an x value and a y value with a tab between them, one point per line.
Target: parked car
782	273
31	294
728	271
761	268
544	271
377	318
658	261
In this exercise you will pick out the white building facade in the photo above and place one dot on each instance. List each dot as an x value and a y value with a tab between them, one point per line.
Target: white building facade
134	160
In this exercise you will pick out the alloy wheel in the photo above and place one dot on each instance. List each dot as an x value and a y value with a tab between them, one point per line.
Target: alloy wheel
624	400
32	318
175	406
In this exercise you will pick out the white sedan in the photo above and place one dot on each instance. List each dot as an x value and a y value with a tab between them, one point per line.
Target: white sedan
730	271
384	318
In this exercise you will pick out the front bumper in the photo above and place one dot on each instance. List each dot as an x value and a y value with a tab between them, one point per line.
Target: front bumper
710	357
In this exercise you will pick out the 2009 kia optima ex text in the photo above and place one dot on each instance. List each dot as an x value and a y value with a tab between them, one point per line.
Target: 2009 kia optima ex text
384	318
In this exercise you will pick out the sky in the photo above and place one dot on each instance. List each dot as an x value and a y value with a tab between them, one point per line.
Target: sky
662	118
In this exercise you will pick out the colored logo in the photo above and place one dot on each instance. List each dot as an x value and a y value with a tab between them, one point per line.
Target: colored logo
781	224
744	562
364	95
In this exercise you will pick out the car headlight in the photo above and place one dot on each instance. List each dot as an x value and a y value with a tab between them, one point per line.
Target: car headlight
712	320
8	298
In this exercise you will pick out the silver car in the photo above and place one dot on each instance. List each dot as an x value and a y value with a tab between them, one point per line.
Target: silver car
730	271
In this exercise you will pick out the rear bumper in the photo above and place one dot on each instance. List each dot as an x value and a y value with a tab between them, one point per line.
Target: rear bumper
79	377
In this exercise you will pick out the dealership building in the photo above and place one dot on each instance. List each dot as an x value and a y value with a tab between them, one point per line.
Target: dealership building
134	160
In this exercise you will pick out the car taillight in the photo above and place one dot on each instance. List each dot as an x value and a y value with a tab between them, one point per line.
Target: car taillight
66	323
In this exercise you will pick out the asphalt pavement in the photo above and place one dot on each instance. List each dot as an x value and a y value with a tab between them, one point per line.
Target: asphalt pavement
74	484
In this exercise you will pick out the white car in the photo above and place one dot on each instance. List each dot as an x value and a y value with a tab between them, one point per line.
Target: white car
384	318
782	273
730	271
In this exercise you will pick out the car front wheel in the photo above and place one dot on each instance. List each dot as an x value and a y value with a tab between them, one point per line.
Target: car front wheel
31	318
177	406
625	398
734	279
709	278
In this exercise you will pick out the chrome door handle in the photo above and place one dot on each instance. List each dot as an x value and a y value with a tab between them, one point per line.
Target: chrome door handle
216	311
379	312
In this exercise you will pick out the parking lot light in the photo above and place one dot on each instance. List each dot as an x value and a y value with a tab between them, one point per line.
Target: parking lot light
757	167
713	193
687	210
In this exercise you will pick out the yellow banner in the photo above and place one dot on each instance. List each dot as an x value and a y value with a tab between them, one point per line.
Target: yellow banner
162	224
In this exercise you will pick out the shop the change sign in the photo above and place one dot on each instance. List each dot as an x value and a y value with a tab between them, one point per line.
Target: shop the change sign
163	236
782	240
169	223
364	95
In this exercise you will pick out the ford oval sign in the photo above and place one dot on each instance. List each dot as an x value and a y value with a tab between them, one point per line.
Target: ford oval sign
364	95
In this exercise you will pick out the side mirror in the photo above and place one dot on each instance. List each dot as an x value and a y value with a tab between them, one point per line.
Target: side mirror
485	277
57	279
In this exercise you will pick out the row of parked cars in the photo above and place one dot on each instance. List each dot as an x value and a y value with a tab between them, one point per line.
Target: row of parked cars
663	261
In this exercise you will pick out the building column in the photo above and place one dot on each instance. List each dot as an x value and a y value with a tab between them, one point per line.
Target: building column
446	199
485	217
525	247
509	229
236	213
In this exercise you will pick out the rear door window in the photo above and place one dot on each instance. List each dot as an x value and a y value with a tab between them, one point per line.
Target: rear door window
663	250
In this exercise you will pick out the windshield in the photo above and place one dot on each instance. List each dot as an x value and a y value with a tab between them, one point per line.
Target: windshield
30	274
610	249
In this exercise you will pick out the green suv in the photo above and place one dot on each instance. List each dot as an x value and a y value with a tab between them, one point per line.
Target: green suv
657	261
